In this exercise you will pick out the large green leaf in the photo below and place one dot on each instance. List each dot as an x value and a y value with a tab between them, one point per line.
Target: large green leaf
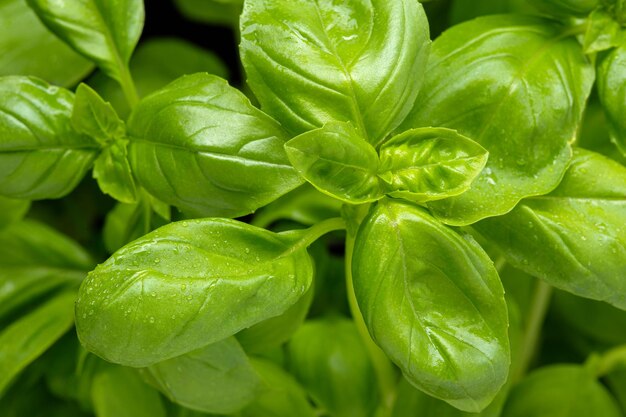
430	164
120	392
560	391
311	62
106	31
612	91
330	360
214	379
518	87
432	300
227	158
186	285
338	162
575	237
28	337
28	48
41	156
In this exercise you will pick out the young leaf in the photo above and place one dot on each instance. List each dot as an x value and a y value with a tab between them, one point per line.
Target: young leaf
95	117
603	32
28	337
232	153
337	161
575	237
545	392
430	163
28	48
214	379
611	82
105	31
186	285
113	173
328	357
518	87
119	392
12	210
41	156
432	300
309	63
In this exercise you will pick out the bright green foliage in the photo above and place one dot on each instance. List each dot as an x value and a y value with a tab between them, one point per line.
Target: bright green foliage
432	300
424	228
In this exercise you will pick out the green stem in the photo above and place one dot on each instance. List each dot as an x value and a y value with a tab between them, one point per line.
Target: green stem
128	86
385	372
315	232
538	309
604	364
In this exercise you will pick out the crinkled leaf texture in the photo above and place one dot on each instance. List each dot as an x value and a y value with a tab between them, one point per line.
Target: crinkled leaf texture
215	379
106	31
518	87
612	91
41	156
200	145
311	62
433	301
427	164
186	285
338	162
575	237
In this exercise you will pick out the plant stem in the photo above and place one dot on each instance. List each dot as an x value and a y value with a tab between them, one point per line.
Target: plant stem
385	372
128	86
315	232
611	359
538	309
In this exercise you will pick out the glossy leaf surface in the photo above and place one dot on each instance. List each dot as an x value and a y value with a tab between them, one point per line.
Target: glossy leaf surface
227	159
28	337
513	84
432	300
215	379
612	91
186	285
337	161
575	237
309	63
41	156
560	391
330	360
105	31
119	392
95	117
113	173
28	48
430	163
603	32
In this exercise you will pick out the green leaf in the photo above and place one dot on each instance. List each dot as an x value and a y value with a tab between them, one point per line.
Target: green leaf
575	237
430	164
603	32
273	332
215	379
328	357
95	117
186	285
611	82
280	396
563	8
36	260
337	161
462	10
105	31
444	321
28	48
309	63
41	156
232	153
560	390
516	86
219	12
119	392
156	63
113	173
12	210
28	337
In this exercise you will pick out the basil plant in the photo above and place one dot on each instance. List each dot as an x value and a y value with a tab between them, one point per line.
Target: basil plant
404	209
